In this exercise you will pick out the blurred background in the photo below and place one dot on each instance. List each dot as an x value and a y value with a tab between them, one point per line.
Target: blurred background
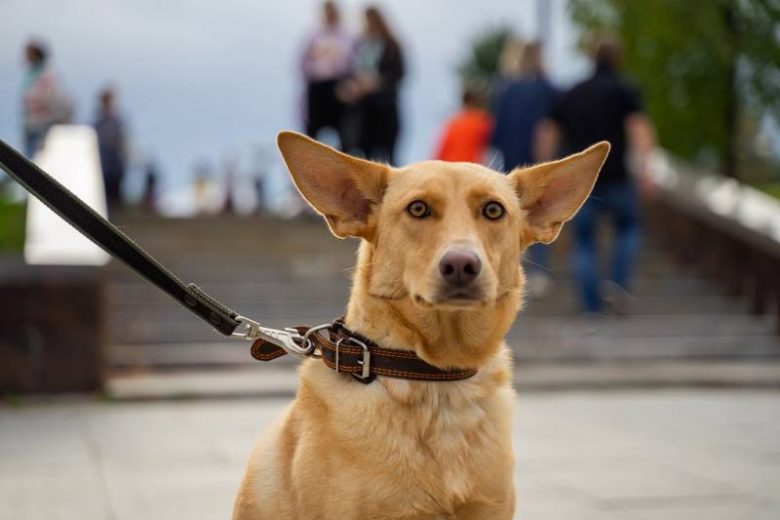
647	356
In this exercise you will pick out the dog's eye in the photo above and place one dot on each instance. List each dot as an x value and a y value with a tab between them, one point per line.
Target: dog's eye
493	210
418	209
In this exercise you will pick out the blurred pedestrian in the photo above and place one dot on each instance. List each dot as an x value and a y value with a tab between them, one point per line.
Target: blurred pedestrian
509	64
466	135
112	144
373	88
229	176
209	198
151	181
44	100
525	99
327	59
604	107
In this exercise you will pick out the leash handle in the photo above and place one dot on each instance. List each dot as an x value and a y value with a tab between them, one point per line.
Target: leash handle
64	203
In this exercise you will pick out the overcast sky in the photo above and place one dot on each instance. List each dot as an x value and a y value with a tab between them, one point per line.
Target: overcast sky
207	79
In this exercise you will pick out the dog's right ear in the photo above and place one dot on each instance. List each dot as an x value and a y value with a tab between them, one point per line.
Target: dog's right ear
344	189
551	193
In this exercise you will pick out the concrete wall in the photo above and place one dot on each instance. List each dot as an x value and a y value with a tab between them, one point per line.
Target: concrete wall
52	328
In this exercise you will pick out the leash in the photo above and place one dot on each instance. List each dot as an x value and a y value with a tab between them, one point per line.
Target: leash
93	226
341	349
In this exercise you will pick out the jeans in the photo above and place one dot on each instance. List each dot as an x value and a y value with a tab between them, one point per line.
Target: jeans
619	200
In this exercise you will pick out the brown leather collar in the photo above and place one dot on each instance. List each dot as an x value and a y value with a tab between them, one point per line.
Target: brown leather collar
351	353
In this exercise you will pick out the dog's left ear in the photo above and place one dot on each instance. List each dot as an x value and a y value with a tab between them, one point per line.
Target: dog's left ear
344	189
551	193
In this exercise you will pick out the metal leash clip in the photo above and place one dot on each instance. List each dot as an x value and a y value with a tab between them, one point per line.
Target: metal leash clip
289	339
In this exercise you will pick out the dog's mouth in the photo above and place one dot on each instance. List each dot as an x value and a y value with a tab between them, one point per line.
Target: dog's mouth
461	300
456	298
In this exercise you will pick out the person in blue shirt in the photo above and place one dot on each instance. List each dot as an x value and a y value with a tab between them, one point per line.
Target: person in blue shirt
521	103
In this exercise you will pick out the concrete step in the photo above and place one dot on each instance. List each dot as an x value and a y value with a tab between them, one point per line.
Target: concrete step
282	381
314	264
149	303
177	325
532	339
293	272
313	288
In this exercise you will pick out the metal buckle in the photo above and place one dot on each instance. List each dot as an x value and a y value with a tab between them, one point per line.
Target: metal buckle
288	339
365	362
307	335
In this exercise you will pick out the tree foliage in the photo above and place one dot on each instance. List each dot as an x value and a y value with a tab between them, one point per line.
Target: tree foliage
702	65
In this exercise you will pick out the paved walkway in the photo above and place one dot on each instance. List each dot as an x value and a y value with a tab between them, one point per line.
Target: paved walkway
588	455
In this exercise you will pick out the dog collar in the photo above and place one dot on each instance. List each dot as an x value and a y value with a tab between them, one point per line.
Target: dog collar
349	352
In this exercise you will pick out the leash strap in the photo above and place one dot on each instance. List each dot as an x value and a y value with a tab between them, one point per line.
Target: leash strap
64	203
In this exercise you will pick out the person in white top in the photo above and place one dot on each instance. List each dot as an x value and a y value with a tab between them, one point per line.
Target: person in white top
44	102
326	60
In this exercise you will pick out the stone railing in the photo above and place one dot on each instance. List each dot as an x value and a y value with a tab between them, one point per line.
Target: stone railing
728	230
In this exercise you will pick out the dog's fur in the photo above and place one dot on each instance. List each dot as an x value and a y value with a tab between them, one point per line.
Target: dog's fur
399	449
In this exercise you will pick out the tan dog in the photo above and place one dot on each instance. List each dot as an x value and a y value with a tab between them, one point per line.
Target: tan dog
437	274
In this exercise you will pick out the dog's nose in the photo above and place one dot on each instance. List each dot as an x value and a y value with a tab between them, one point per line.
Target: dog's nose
460	266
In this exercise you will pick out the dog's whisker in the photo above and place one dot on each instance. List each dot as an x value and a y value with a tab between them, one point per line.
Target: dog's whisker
540	266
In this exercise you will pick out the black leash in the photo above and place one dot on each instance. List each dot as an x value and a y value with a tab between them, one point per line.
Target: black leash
113	241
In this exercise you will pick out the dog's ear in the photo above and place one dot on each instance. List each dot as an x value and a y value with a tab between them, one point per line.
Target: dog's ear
551	193
343	189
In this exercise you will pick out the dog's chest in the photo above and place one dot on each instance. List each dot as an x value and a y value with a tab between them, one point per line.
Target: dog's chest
443	451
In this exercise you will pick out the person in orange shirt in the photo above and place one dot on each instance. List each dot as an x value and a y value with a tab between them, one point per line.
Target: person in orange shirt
467	134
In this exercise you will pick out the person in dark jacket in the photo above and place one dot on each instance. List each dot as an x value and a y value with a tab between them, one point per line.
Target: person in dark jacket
112	146
605	107
373	89
521	104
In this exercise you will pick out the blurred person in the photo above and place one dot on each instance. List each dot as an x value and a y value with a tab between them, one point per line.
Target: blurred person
604	107
112	145
229	202
466	135
510	62
509	67
523	102
327	59
44	101
373	88
150	190
208	198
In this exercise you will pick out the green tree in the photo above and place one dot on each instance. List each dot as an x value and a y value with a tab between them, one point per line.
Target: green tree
702	65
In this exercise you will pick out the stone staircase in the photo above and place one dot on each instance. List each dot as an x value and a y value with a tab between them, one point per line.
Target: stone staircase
294	272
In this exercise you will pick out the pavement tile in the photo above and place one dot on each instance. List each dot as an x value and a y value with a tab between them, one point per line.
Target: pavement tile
564	508
187	493
712	510
637	479
61	498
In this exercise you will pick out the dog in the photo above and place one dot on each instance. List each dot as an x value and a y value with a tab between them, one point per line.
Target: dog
437	274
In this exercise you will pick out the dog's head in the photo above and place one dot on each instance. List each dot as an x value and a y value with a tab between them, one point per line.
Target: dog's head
447	236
